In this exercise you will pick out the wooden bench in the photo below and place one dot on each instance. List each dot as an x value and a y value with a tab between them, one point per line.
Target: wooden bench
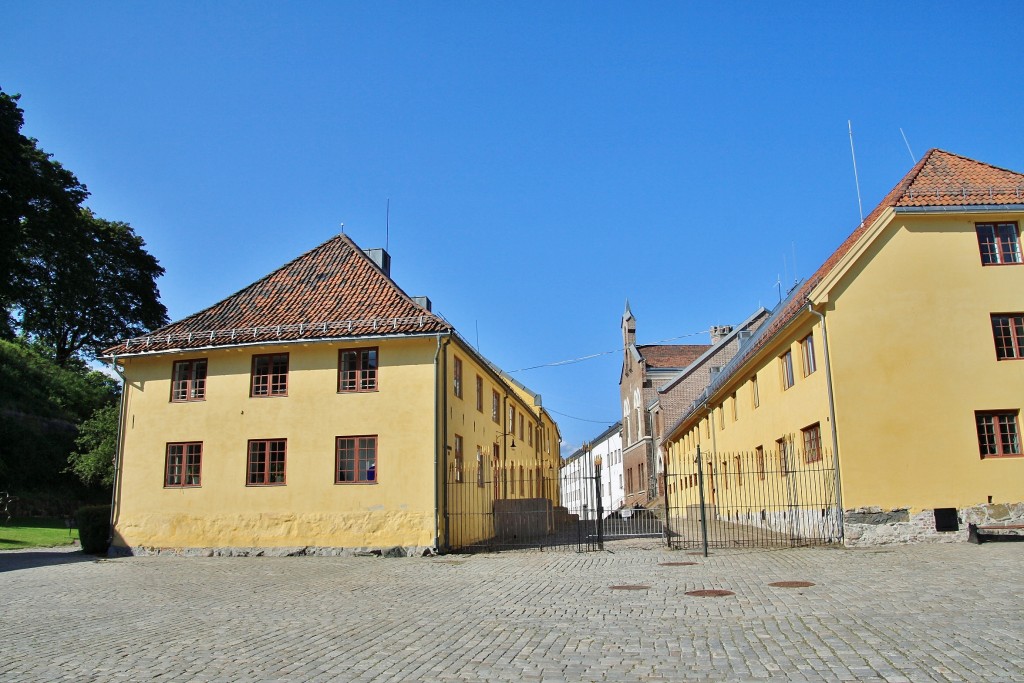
984	533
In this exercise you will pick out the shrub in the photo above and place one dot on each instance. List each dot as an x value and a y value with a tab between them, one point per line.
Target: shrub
94	528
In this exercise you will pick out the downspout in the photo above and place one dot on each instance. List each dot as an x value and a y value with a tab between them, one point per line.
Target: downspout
439	419
504	448
832	418
118	449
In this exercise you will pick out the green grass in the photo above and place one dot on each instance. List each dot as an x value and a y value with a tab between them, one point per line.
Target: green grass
37	532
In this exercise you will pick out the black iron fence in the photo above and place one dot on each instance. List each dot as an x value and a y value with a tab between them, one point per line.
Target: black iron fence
492	507
781	497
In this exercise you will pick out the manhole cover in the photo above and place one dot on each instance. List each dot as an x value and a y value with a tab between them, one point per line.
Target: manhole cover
630	588
792	584
710	593
676	564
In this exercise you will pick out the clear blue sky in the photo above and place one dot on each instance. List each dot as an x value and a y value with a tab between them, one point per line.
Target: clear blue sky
544	161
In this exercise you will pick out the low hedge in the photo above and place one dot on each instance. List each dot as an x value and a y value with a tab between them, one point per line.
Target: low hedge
94	528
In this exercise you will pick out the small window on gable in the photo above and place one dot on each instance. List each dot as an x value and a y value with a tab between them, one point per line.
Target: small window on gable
755	395
480	393
188	380
999	243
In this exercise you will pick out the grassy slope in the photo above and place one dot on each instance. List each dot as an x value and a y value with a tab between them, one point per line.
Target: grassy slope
35	533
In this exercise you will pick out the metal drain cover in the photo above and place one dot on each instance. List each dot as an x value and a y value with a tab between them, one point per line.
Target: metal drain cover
792	584
676	564
710	593
630	588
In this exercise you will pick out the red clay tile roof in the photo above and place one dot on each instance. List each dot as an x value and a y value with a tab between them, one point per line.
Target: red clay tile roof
671	356
332	291
940	178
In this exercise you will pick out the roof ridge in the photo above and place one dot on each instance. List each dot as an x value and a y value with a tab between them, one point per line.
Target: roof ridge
252	284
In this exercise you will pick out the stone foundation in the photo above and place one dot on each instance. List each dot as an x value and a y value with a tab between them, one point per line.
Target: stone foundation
872	526
297	551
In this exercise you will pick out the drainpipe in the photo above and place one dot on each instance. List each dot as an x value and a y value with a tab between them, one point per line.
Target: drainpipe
504	448
832	417
439	478
118	450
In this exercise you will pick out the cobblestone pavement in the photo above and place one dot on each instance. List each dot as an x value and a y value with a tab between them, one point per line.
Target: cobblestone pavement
918	613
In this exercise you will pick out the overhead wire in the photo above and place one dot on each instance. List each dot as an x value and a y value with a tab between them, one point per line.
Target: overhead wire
571	361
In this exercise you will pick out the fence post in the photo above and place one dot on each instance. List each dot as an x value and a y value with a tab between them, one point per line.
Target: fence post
703	512
600	504
667	529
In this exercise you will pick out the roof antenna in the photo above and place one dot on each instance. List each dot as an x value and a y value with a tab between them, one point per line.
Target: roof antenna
387	226
778	283
342	228
913	159
856	180
796	273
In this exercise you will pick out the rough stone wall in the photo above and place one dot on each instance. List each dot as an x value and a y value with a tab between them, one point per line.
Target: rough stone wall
295	551
872	526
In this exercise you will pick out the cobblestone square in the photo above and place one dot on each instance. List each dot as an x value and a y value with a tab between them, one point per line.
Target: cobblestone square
949	612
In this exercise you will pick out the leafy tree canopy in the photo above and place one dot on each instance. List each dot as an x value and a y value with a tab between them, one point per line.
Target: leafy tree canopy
69	281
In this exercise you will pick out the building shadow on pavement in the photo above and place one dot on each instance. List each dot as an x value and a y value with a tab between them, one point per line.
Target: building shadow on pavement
12	560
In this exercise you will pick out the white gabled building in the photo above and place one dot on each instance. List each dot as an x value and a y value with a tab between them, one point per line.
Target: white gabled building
579	475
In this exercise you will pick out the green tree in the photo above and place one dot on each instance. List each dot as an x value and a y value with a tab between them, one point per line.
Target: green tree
93	461
69	280
39	409
37	195
89	286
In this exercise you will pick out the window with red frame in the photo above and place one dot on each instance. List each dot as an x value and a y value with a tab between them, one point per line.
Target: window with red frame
183	467
786	367
357	460
459	471
457	377
270	375
807	351
188	380
1008	331
998	434
357	370
812	442
783	447
266	462
999	243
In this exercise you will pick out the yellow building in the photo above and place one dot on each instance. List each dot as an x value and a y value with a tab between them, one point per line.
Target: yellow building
898	365
320	409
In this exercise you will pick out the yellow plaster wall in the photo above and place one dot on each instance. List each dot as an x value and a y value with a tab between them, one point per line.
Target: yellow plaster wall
913	358
310	509
470	506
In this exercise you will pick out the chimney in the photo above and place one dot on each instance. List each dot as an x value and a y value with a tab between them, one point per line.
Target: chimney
381	258
718	332
423	302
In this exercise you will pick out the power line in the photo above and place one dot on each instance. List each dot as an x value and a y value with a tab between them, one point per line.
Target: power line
571	361
581	419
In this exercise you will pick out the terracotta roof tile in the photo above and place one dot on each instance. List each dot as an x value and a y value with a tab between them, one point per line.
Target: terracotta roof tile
331	291
940	178
671	356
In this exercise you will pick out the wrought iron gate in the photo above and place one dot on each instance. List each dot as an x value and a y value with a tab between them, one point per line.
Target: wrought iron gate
781	497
